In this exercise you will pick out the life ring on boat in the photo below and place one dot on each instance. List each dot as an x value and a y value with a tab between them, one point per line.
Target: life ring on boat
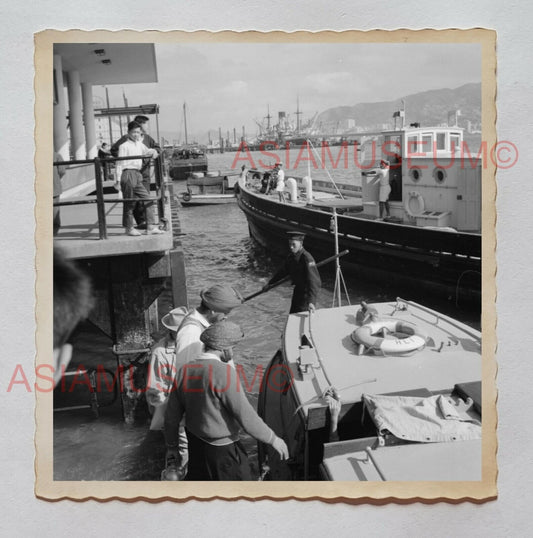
414	204
186	197
366	336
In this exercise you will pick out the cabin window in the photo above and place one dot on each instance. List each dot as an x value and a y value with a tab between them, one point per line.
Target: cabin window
412	144
441	141
415	174
439	175
392	149
455	140
427	143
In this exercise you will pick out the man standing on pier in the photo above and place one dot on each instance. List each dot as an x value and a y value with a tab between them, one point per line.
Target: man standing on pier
300	266
139	213
131	181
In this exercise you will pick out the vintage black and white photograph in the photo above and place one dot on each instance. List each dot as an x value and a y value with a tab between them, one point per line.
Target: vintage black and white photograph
268	264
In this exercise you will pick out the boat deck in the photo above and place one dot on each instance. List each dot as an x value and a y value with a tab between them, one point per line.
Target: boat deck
321	200
350	206
452	355
425	461
79	233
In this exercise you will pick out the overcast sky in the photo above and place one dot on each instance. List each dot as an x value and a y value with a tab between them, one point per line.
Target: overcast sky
229	85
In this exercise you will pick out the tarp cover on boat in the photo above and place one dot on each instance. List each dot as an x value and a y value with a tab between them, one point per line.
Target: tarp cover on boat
432	419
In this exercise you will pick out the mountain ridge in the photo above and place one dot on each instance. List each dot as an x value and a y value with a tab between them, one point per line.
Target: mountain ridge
430	107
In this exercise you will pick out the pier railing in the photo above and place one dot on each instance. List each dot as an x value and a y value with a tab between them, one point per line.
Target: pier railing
100	201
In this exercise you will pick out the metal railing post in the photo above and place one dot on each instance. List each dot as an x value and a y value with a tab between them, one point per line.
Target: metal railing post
100	207
160	187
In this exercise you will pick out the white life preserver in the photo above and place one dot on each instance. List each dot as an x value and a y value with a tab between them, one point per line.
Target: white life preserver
414	204
365	336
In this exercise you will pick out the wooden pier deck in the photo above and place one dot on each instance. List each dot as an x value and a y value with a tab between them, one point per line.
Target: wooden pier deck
79	232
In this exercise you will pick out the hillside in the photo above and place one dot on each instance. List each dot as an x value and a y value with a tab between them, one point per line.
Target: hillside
427	108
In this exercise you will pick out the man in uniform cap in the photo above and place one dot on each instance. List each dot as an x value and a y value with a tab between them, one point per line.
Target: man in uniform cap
210	394
139	211
300	265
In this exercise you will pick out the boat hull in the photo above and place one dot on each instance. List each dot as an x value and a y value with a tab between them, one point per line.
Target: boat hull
439	262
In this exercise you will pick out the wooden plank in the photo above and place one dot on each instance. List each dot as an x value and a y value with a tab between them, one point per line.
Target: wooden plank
179	281
205	181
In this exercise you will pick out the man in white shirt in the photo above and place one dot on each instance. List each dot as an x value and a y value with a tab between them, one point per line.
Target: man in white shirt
146	170
183	344
131	180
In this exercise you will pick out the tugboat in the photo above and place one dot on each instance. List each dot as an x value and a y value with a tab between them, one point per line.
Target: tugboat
432	239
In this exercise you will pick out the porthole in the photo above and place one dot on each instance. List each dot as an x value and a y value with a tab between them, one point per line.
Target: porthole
415	174
439	175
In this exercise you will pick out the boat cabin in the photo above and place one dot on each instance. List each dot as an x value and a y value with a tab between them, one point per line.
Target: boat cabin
211	182
434	180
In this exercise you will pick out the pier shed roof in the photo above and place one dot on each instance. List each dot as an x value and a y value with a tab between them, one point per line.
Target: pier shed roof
110	63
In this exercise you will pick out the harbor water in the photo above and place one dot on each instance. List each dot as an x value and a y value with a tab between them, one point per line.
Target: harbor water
217	249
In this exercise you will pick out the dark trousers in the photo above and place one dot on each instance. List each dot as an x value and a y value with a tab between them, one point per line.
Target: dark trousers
139	212
209	462
132	187
300	301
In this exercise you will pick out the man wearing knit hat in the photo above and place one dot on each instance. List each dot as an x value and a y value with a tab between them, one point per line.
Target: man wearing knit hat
216	303
181	345
210	395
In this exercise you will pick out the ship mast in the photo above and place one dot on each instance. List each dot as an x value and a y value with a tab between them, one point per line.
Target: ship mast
268	117
185	120
298	114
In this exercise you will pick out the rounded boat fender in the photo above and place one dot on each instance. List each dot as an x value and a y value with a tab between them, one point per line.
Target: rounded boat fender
414	204
365	336
186	197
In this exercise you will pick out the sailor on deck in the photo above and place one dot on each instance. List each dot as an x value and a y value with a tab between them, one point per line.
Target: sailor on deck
384	188
304	275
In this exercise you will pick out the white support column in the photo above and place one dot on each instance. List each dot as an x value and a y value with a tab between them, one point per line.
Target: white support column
88	119
77	138
60	111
